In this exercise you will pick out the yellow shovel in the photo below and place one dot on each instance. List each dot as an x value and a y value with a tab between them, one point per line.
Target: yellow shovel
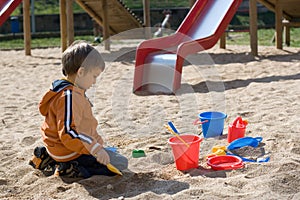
113	169
175	134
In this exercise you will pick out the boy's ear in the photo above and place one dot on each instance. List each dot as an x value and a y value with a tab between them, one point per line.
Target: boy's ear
80	72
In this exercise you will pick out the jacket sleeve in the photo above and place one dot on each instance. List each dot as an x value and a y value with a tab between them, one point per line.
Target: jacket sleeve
69	118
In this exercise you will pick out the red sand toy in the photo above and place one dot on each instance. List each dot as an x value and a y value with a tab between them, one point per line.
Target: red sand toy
225	162
237	129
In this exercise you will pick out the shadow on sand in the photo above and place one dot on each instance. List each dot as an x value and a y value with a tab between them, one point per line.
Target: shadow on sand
201	87
129	185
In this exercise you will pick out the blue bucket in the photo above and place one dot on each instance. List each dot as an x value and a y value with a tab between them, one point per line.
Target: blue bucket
212	123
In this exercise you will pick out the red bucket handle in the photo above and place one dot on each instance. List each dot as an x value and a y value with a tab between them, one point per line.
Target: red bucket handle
238	119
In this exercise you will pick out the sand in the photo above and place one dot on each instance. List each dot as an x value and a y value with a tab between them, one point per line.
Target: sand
265	90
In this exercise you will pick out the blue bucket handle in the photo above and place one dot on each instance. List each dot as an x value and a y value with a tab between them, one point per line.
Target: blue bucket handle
198	122
259	160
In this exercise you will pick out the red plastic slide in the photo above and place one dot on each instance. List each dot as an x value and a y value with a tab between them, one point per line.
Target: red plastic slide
6	8
159	61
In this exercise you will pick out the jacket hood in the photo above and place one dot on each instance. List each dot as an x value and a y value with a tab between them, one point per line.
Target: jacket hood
57	86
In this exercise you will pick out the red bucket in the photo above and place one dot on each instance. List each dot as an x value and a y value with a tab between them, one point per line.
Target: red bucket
237	129
186	157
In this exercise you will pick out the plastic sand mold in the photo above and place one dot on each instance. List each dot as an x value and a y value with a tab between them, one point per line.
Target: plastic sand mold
217	151
245	141
138	153
225	162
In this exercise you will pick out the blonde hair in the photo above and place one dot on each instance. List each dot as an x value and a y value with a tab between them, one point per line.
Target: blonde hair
81	54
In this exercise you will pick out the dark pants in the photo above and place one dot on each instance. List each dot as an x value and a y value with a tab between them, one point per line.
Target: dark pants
89	166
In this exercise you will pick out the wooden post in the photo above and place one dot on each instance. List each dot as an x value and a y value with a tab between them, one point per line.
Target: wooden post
26	25
253	26
63	25
287	34
147	21
106	26
278	21
223	41
70	21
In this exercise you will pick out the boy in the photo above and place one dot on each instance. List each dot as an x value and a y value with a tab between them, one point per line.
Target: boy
71	141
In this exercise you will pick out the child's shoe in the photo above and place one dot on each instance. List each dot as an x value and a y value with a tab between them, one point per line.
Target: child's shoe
41	159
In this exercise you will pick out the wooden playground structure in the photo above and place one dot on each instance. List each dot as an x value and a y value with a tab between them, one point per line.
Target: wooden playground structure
112	15
289	10
287	15
115	17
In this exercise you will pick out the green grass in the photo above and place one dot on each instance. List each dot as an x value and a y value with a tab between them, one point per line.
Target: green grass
38	42
234	38
44	7
265	37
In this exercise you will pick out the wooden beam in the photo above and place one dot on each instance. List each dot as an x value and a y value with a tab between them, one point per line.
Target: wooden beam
278	24
271	7
106	25
147	21
26	25
96	17
293	24
70	21
63	25
253	26
117	3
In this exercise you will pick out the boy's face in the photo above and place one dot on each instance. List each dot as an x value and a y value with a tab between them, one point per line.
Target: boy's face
85	79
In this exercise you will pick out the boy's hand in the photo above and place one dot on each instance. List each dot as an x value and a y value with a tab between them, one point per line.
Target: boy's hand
102	157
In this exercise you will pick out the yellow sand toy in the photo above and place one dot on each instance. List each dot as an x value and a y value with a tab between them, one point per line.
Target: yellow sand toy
217	151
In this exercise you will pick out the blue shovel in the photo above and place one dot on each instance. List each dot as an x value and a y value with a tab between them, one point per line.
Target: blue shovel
173	127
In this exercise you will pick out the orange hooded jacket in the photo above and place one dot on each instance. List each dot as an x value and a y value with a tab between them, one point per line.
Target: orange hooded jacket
69	129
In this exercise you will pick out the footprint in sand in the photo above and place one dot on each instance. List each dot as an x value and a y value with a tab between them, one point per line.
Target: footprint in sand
28	140
295	150
3	182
